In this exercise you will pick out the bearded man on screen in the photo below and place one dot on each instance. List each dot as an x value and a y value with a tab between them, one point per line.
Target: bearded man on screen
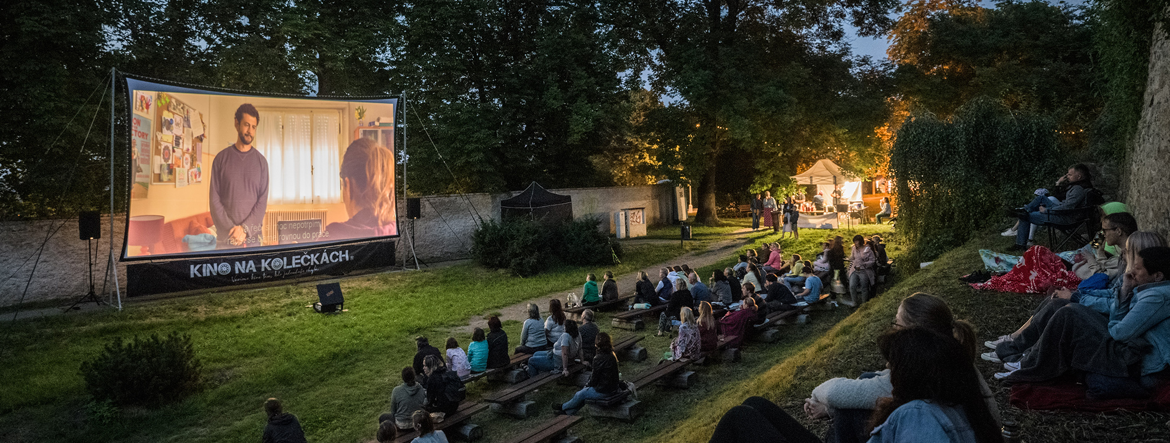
239	186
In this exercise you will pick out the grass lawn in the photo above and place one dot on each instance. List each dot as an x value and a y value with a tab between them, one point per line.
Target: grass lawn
848	348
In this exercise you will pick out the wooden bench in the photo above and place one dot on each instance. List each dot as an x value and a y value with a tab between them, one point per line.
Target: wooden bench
510	373
632	319
767	333
627	348
457	423
721	352
575	312
670	373
511	400
555	430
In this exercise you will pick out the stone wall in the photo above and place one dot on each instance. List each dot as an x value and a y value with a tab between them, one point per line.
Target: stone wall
443	233
1149	174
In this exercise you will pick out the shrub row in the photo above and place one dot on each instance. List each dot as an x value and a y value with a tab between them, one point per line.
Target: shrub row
526	247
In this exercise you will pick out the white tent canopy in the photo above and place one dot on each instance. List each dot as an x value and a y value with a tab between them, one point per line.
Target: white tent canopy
826	175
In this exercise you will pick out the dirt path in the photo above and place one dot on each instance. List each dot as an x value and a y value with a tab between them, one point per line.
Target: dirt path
695	259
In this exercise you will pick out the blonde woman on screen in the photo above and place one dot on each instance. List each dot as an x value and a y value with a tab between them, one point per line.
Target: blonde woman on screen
367	189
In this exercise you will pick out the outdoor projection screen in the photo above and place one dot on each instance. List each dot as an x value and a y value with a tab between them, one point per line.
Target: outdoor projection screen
216	173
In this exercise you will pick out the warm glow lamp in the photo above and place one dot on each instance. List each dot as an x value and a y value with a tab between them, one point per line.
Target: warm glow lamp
145	231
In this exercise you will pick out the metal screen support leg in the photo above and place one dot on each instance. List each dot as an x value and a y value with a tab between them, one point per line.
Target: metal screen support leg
112	268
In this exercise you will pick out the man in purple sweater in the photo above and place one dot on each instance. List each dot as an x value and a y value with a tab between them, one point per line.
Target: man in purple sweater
239	186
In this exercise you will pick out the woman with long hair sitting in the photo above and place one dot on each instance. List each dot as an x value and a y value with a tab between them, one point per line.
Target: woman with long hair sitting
603	381
688	343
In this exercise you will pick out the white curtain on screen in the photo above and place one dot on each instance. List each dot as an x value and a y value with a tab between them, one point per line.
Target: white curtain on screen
295	183
326	157
269	139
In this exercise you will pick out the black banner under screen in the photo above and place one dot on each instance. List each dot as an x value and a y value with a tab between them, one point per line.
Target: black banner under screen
275	267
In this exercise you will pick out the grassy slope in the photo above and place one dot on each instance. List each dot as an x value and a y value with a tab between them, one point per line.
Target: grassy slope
848	348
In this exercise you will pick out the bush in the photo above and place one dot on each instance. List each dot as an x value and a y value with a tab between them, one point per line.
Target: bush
145	372
956	177
526	247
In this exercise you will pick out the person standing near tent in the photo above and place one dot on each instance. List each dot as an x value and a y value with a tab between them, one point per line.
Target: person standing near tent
769	211
836	195
757	206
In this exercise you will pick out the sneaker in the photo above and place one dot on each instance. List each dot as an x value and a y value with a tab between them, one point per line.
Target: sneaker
800	304
995	343
991	357
1003	375
1010	232
1012	366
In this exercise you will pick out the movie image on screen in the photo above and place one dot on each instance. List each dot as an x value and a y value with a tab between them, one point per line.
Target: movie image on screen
222	173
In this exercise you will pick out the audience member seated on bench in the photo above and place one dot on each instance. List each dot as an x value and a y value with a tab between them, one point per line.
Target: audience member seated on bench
812	287
935	397
1079	183
554	325
688	344
609	289
733	283
753	258
532	335
665	286
439	381
588	334
861	270
779	297
796	271
708	329
589	293
886	211
497	344
457	359
477	351
821	264
737	322
644	290
404	400
775	263
681	298
564	351
699	290
603	381
1011	347
387	432
282	427
850	402
1078	339
424	349
741	267
720	289
755	278
425	425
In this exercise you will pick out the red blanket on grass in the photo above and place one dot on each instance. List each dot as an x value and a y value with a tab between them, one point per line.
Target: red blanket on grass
1037	271
1070	396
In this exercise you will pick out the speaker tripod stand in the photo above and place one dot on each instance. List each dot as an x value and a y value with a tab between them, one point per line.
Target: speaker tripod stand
92	295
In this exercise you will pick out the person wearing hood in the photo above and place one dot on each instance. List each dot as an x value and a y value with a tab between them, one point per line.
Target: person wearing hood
404	400
282	427
589	293
424	349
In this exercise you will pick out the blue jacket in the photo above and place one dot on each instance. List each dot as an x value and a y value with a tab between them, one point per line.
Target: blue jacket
1146	317
477	355
924	421
700	292
1100	300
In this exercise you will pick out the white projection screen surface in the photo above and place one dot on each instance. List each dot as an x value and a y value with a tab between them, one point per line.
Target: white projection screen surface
221	173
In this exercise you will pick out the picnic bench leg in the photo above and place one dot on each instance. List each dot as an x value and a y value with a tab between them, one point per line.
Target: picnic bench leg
635	353
767	336
520	409
731	355
469	432
632	325
628	411
682	380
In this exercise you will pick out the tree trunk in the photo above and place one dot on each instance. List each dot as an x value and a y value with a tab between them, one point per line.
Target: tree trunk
706	201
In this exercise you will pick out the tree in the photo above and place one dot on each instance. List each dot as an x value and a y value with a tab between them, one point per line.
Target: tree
766	79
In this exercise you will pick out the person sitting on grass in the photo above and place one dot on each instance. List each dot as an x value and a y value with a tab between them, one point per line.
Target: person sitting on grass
554	325
404	400
436	386
688	344
477	351
564	351
699	290
733	283
282	427
497	343
588	332
850	402
609	289
665	286
425	425
736	323
1136	335
603	381
532	335
457	359
935	397
387	432
1011	347
720	289
589	293
812	287
742	265
424	349
708	329
644	290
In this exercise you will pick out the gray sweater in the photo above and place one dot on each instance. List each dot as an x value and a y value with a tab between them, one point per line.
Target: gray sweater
239	193
404	400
